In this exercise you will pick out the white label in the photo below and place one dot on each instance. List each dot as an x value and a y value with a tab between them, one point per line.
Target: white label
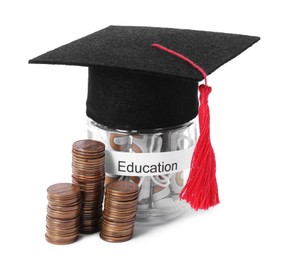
147	164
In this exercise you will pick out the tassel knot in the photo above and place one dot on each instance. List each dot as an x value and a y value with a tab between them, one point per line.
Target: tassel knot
204	93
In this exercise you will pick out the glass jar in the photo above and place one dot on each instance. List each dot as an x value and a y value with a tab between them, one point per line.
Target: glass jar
157	160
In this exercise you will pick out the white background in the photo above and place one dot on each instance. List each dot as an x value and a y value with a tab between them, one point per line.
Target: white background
42	112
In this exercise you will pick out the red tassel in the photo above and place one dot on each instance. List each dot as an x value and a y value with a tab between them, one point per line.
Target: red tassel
201	189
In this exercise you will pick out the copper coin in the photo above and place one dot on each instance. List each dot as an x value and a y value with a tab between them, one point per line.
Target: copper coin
64	204
91	215
121	199
122	187
119	202
85	165
70	201
117	233
75	211
62	222
115	239
62	232
95	193
61	240
88	145
98	191
51	219
91	222
124	199
87	154
95	181
63	190
90	209
93	202
116	215
64	208
89	162
112	211
122	211
95	217
85	179
90	212
63	216
116	226
60	203
66	226
95	199
90	229
117	219
86	171
92	205
94	173
120	205
99	171
98	176
96	184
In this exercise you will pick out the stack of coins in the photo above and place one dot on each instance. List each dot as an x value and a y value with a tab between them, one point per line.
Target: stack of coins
88	173
119	211
63	213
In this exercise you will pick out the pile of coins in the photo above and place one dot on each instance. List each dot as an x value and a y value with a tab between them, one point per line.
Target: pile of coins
63	213
120	208
88	172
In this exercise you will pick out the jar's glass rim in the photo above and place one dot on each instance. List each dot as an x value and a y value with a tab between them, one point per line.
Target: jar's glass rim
193	122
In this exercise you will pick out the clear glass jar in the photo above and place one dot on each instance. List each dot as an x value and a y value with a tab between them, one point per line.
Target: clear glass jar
159	193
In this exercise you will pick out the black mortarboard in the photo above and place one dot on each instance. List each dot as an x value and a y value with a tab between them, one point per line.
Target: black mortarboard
135	86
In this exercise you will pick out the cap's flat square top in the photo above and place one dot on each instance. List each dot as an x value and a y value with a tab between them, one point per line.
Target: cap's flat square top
129	48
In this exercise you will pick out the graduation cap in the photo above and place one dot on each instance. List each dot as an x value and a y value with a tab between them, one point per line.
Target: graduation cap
144	78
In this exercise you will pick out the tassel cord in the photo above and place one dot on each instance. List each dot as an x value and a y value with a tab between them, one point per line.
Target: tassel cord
201	189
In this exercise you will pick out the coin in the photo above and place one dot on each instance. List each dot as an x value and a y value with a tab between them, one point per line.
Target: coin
88	146
114	238
60	240
88	160
123	188
63	190
120	206
63	211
